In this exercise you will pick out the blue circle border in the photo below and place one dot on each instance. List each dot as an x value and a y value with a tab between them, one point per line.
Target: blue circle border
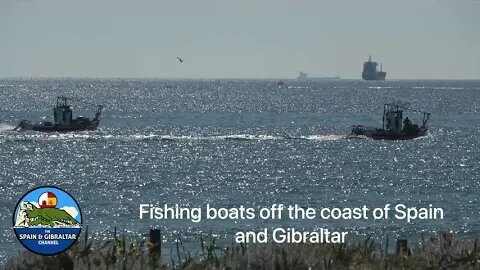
20	200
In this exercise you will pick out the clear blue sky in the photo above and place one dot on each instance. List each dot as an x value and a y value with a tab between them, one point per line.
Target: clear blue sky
235	39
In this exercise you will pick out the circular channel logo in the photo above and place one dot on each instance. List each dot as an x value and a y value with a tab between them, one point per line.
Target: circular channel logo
47	220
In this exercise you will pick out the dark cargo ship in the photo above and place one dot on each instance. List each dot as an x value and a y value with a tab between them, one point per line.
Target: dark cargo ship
63	120
394	126
370	71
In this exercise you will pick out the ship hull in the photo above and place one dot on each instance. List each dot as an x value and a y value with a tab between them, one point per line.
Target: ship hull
382	134
61	129
24	126
379	76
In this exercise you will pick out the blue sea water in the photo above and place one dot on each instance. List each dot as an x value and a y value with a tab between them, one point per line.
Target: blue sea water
242	142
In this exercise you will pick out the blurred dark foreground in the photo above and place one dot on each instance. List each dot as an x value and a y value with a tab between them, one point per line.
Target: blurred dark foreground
443	251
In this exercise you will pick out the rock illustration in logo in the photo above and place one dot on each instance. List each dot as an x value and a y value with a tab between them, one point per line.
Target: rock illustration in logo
47	220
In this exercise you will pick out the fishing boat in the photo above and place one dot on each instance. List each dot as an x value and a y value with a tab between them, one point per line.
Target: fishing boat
394	127
63	120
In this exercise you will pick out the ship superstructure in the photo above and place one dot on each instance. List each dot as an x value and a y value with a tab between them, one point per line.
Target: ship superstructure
371	72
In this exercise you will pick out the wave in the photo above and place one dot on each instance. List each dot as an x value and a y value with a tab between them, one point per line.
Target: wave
381	87
155	137
298	87
6	127
96	137
325	137
248	137
235	137
427	136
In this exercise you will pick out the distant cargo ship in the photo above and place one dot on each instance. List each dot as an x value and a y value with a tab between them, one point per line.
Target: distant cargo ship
371	73
302	76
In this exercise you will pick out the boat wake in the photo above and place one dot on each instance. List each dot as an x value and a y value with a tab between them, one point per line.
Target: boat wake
249	137
325	137
6	127
156	137
427	136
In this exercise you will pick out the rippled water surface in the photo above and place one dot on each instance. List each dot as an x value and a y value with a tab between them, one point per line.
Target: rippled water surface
233	142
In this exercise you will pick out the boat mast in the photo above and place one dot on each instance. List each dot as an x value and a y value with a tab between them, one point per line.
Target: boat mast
99	111
62	101
426	116
62	114
383	118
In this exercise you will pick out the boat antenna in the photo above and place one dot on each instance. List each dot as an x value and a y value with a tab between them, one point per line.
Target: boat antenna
62	101
383	117
405	106
426	116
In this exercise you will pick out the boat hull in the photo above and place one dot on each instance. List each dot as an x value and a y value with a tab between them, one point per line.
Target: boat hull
382	134
42	127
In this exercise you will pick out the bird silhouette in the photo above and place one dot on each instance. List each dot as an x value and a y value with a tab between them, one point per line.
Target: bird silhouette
180	59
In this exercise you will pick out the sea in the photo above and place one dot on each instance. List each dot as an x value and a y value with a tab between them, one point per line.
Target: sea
233	142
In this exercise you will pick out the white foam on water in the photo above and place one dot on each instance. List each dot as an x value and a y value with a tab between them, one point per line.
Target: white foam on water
381	87
20	136
248	137
153	137
177	138
427	136
142	137
5	127
298	87
325	137
361	137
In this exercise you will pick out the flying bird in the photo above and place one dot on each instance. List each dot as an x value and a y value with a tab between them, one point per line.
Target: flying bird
180	59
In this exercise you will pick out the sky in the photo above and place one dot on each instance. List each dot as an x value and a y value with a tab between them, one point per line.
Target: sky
421	39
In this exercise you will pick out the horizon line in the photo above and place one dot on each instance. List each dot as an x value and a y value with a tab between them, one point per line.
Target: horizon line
313	79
